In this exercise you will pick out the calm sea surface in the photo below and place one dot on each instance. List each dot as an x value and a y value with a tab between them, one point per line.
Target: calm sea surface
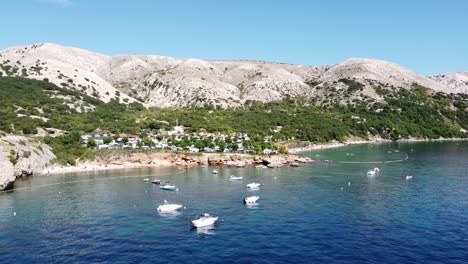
316	213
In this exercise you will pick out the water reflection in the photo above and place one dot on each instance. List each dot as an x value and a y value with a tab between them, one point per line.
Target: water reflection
206	230
252	206
170	214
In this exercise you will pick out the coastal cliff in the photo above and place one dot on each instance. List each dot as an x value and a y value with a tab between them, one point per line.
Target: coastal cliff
20	157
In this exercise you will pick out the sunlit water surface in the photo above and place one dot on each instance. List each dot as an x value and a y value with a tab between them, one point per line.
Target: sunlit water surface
329	213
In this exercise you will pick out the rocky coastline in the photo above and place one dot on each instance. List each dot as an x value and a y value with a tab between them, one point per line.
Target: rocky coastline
148	159
21	157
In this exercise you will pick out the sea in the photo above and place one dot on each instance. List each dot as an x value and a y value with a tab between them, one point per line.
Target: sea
316	213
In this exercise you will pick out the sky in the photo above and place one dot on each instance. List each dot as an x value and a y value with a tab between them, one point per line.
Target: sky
428	37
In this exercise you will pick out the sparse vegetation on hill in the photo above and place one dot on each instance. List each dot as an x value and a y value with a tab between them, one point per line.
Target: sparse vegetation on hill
26	105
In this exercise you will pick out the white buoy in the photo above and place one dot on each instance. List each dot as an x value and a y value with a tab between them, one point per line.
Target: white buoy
341	188
14	213
349	183
409	177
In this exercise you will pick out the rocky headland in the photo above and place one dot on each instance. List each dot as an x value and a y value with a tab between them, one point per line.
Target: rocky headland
21	157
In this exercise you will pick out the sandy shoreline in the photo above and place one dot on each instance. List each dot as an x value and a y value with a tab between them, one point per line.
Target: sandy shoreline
314	147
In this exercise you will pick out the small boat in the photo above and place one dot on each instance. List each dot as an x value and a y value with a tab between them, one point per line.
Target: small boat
146	180
251	199
215	172
409	178
155	181
373	172
294	164
261	166
168	187
235	178
167	207
253	185
204	220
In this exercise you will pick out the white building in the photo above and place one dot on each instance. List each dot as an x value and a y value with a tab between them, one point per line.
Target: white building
267	151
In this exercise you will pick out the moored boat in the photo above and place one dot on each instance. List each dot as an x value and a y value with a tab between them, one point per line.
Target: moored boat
155	181
167	207
251	199
253	185
204	220
373	172
168	187
235	178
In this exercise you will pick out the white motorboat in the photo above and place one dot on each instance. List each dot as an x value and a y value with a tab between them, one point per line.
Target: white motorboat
204	220
261	166
251	199
235	178
253	185
409	177
168	187
215	172
167	207
373	172
146	180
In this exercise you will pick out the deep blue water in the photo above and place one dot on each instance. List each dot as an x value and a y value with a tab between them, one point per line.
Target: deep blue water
305	215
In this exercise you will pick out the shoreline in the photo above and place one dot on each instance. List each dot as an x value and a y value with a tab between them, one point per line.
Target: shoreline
93	166
314	147
138	160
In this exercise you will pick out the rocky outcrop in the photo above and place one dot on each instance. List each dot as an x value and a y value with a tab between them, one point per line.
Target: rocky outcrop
143	159
20	157
7	173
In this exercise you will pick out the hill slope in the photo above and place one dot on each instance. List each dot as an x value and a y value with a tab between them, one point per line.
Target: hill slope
170	82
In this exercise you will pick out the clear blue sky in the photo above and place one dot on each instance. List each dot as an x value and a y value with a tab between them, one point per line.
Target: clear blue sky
425	36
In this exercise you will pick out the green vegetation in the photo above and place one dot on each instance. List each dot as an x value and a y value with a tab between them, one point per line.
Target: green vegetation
418	112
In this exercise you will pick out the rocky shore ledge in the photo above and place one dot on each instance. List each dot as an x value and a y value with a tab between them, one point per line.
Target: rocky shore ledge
127	160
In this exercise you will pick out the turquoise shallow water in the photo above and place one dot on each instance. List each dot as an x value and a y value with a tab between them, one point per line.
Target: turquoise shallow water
305	215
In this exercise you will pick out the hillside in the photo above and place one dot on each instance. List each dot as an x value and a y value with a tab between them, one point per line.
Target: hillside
170	82
42	109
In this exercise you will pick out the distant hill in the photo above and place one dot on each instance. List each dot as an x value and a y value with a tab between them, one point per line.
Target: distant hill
170	82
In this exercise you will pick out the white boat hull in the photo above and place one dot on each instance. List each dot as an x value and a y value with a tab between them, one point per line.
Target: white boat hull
169	207
168	187
251	199
253	185
204	221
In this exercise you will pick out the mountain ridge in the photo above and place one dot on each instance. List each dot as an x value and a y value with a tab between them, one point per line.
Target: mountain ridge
163	81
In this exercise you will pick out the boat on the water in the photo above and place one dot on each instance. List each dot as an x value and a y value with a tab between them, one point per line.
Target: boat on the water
251	199
261	166
373	172
204	220
168	187
235	178
215	172
253	185
155	181
408	177
146	180
167	207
